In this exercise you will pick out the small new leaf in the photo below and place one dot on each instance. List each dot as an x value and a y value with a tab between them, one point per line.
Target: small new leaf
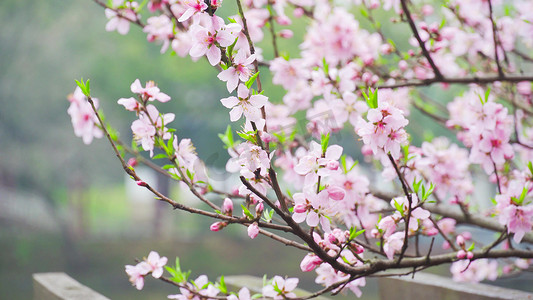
371	98
325	142
247	212
252	80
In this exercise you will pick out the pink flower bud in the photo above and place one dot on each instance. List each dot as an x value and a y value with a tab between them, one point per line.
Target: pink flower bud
427	10
460	240
259	208
358	248
283	20
335	192
310	262
286	33
467	235
141	183
300	208
217	226
469	255
227	207
461	254
402	64
266	137
386	49
253	230
332	165
298	12
132	162
368	60
431	232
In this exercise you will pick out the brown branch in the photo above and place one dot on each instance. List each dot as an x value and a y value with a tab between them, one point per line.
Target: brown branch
425	52
459	80
495	40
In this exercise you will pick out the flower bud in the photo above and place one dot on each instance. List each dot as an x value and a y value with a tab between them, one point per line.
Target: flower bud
227	207
427	10
298	12
217	226
141	183
310	262
402	64
259	208
286	33
461	254
469	255
132	162
283	20
300	208
460	240
253	230
335	192
332	165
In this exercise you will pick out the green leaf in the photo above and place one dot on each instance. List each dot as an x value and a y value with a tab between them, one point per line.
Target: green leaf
167	167
159	156
364	12
247	212
227	137
355	163
84	87
371	98
326	66
222	286
530	166
416	185
487	94
325	142
428	192
229	51
471	247
190	175
398	207
252	80
343	163
249	136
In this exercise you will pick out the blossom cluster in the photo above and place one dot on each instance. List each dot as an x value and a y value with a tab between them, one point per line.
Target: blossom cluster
294	180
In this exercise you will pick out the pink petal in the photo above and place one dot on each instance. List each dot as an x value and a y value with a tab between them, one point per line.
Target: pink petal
334	152
230	102
242	91
312	219
259	101
136	87
187	14
213	55
236	113
198	50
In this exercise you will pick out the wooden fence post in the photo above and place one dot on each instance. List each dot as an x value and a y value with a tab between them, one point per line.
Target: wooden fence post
60	286
434	287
